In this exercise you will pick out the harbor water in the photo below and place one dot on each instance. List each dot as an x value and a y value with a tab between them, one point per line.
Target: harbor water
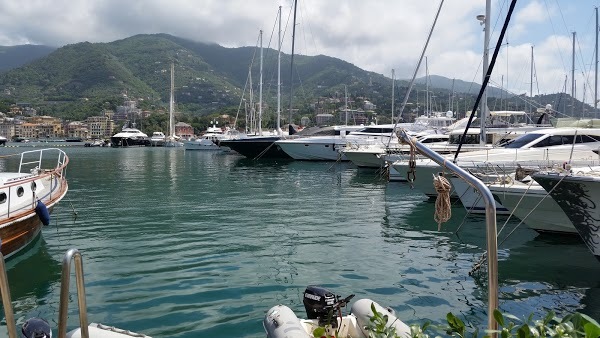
189	244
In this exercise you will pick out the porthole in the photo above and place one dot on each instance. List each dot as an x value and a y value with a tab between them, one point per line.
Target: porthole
2	197
20	191
33	186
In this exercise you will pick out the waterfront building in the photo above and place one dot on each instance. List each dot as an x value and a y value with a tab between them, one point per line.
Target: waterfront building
184	130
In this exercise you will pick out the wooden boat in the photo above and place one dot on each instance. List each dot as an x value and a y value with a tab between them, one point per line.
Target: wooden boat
28	195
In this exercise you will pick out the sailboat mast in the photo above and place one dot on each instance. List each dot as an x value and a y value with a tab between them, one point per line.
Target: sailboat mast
596	70
260	87
279	78
393	82
172	101
573	78
531	80
346	103
452	98
290	128
426	88
252	118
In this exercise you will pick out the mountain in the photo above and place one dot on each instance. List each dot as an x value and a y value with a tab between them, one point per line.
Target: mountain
82	79
16	56
207	76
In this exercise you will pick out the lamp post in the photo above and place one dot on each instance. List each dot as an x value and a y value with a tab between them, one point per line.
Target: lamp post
484	20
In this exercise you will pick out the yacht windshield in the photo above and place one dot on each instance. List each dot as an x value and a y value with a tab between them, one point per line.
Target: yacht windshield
375	130
523	140
552	140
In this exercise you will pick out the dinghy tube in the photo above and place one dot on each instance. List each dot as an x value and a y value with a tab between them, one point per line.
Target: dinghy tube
361	309
281	321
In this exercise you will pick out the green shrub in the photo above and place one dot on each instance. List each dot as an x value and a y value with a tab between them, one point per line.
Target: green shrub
571	326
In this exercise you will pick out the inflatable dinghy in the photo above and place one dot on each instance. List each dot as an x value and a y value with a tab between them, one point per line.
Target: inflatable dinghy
323	311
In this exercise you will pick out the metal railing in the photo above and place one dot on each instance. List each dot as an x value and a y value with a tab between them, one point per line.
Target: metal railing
72	254
63	312
490	220
6	301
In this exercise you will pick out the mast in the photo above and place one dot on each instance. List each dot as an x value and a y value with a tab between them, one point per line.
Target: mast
279	78
260	87
531	80
486	42
573	78
452	98
596	70
393	82
290	128
250	123
172	101
426	88
502	92
346	103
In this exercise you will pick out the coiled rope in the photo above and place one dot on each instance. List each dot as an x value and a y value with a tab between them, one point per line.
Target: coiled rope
443	209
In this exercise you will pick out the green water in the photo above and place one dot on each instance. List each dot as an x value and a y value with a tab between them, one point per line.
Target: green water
193	244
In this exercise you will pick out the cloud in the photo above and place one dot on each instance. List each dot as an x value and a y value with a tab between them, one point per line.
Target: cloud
374	35
529	17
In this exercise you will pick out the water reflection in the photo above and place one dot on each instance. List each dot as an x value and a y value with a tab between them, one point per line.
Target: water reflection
33	277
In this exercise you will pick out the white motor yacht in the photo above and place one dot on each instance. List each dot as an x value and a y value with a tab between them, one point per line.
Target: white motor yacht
327	147
157	139
322	147
129	137
578	195
528	201
543	147
209	140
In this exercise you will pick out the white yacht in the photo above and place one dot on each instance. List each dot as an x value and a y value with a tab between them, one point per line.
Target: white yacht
209	140
372	155
578	195
543	147
444	138
157	139
129	137
324	147
528	201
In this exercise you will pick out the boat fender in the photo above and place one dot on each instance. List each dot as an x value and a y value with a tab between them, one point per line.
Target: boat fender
281	322
361	309
42	212
36	328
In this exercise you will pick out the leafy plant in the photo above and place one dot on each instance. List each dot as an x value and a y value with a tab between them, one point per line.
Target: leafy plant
378	326
576	325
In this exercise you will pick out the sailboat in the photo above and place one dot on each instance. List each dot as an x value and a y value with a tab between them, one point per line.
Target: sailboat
261	146
172	140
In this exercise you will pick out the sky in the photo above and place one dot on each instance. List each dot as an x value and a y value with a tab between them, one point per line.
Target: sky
375	35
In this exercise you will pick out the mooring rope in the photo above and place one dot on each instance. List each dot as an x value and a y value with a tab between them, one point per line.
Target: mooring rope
482	259
443	208
264	151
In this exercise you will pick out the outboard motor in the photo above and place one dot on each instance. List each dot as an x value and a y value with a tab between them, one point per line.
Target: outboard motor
36	328
319	304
